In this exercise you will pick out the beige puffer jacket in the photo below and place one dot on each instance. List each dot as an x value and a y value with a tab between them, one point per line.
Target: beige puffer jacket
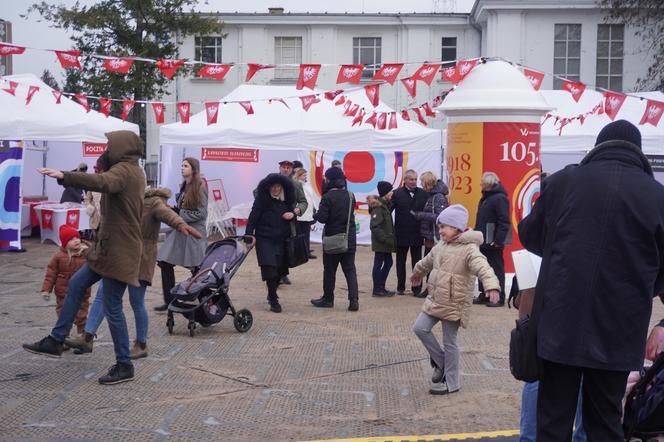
453	268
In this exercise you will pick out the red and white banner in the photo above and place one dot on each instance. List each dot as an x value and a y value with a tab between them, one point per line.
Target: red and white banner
168	67
653	112
280	100
47	219
464	67
159	109
32	90
352	110
9	49
12	88
340	101
350	73
359	117
308	76
450	74
308	101
381	121
534	77
613	101
426	73
253	68
216	71
83	101
393	121
69	59
105	106
212	112
246	105
230	154
331	95
58	95
73	218
411	86
93	149
127	106
574	88
404	115
373	93
388	72
184	110
427	110
118	64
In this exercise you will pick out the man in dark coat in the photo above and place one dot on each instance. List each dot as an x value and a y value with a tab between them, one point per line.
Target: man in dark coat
286	168
405	201
493	220
73	194
599	228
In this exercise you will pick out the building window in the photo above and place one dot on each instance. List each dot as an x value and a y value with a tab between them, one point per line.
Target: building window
610	49
287	50
566	53
367	51
208	49
448	51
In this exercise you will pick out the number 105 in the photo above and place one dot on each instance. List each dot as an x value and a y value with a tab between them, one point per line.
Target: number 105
520	152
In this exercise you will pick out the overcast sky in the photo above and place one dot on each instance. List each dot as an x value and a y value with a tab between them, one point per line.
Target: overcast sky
35	33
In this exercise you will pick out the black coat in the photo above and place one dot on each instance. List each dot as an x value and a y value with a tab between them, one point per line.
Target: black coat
494	207
436	203
266	222
606	261
71	194
333	212
406	227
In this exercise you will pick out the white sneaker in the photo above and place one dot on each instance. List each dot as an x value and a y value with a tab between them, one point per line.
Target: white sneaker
440	388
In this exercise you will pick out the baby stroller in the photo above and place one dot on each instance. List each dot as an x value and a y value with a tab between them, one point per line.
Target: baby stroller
203	298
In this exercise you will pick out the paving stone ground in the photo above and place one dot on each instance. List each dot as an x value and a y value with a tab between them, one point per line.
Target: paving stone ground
304	374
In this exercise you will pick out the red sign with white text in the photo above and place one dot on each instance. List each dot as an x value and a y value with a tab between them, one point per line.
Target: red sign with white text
93	149
229	154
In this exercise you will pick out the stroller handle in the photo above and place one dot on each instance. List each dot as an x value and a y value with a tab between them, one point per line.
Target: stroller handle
249	240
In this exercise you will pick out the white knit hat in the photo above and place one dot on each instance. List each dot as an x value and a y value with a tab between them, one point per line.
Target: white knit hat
454	216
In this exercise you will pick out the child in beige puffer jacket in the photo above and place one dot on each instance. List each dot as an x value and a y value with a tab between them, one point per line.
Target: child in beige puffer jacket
454	263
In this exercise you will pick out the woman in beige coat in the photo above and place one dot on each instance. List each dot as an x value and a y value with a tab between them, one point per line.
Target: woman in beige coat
453	263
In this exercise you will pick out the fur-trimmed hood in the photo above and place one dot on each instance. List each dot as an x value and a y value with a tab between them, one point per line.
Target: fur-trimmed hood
470	237
375	201
161	192
263	189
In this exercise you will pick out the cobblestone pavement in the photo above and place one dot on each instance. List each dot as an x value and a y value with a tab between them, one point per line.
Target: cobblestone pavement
303	374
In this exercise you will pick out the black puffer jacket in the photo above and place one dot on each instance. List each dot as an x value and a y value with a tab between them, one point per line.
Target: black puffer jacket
406	227
333	212
436	202
494	208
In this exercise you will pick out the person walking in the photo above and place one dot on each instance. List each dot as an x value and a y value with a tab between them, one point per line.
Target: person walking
286	169
382	237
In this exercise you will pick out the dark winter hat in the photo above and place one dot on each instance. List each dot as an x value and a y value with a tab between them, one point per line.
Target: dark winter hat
67	232
297	164
336	163
621	130
384	188
334	173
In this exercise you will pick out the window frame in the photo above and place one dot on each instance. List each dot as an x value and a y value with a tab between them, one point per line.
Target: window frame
606	78
444	47
573	76
218	46
369	70
287	73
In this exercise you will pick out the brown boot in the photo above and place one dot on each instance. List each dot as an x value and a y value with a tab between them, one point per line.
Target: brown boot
81	343
139	350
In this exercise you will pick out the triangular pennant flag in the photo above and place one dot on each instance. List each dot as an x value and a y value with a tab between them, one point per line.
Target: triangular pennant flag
388	72
280	100
653	112
340	101
308	101
12	88
127	106
168	67
350	73
419	115
450	74
464	67
427	110
69	59
184	109
352	111
381	121
216	71
426	73
247	107
159	109
105	106
120	65
371	120
359	117
331	95
373	91
574	88
58	95
32	90
212	112
253	68
83	101
308	76
613	101
437	101
404	115
393	121
9	49
411	86
534	77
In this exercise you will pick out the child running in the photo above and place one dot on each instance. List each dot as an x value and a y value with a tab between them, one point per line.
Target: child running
454	263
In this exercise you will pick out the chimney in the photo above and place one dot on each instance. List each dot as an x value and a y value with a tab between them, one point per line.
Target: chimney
275	11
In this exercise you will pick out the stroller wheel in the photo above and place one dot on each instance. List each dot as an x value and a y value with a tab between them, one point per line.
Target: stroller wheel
192	327
243	320
170	323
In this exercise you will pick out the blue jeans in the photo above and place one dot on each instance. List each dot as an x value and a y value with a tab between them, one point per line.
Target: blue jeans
528	424
137	301
381	269
113	291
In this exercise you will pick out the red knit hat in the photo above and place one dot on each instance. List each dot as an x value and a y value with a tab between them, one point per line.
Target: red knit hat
67	232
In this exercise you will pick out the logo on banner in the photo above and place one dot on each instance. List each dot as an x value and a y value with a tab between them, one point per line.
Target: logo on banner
47	219
93	149
230	154
216	193
309	73
73	217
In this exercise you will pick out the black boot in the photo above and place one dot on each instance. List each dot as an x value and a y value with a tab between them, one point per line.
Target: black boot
117	374
322	302
46	347
353	305
272	296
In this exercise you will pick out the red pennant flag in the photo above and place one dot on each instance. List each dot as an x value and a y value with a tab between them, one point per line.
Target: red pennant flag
169	66
373	92
393	121
9	49
69	59
359	117
437	101
534	77
426	73
331	95
105	106
118	64
340	101
350	73
159	110
371	120
450	74
216	71
32	90
184	109
381	121
308	101
83	101
574	88
247	107
427	110
613	101
127	106
58	95
464	67
653	112
12	88
253	68
411	86
388	72
352	111
212	112
280	100
419	115
404	115
308	76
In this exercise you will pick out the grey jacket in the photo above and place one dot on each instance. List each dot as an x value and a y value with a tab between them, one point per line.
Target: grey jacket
436	203
300	197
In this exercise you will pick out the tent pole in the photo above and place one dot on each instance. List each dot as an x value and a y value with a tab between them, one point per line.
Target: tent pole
45	146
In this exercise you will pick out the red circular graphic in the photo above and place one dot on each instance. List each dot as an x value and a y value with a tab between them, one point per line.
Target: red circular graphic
359	167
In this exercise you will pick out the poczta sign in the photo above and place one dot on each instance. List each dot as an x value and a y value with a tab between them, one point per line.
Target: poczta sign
93	149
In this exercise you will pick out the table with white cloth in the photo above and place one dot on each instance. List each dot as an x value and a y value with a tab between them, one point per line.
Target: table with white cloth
52	216
238	214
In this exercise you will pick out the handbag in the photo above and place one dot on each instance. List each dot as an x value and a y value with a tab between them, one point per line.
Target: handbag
297	250
337	244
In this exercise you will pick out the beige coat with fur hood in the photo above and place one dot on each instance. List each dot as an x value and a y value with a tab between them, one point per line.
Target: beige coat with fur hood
453	268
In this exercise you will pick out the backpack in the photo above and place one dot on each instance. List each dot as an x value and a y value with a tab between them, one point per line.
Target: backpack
644	406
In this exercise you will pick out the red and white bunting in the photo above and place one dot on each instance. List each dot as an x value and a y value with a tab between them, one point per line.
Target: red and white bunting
308	101
10	49
184	110
280	100
371	120
216	71
373	93
105	106
427	110
83	101
246	105
613	101
331	95
419	115
32	90
308	76
426	73
168	67
127	106
393	121
212	112
411	86
404	115
437	101
252	68
653	112
350	73
359	117
69	59
388	72
340	101
574	88
352	112
12	88
534	77
120	65
464	67
159	109
381	121
450	74
58	95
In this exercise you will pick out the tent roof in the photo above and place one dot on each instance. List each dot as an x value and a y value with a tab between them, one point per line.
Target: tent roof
44	120
274	126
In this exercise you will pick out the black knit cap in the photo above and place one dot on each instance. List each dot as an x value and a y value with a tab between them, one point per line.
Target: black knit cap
334	173
621	130
384	188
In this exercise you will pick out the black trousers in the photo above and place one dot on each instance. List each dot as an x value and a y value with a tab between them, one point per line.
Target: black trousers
330	264
603	391
168	279
494	255
305	227
402	254
272	285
